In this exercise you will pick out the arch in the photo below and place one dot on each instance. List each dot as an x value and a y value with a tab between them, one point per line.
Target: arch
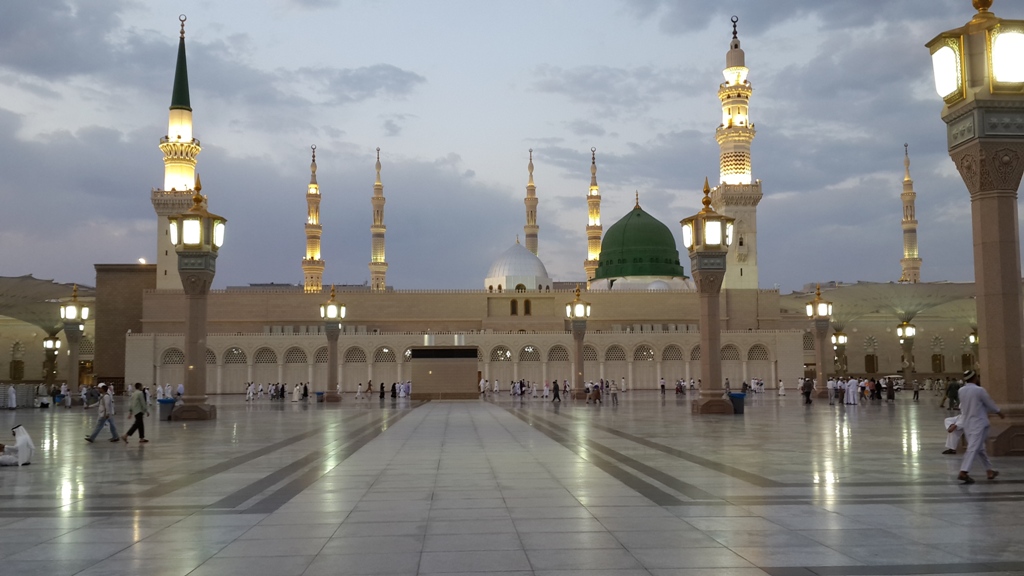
808	342
758	352
384	354
172	356
730	352
407	355
938	345
355	354
614	353
211	358
671	352
501	354
589	353
295	355
695	353
527	308
321	355
513	308
558	353
870	344
235	355
520	288
490	288
499	287
643	353
264	356
529	353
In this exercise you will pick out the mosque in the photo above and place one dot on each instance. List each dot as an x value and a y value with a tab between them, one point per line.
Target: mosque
644	325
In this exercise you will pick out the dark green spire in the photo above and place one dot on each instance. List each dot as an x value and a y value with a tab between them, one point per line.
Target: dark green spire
179	96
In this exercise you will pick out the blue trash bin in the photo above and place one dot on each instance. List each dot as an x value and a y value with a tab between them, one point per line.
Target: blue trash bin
737	399
166	406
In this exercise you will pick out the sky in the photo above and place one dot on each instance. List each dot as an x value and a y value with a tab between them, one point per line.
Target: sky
455	93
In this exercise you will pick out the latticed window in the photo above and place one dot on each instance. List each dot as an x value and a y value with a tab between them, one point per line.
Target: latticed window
264	356
501	354
672	352
529	353
211	358
172	356
408	354
615	353
938	345
558	354
321	355
695	353
730	352
808	341
295	356
384	354
235	356
589	353
643	353
757	352
87	347
355	354
479	354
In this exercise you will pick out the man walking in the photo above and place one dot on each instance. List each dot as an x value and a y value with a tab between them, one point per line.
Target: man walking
831	391
975	406
106	416
137	408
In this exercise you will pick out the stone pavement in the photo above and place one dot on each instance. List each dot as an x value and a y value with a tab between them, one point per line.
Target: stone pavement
503	487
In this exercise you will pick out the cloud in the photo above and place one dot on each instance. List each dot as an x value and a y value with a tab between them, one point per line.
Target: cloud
314	4
584	128
348	85
393	124
608	87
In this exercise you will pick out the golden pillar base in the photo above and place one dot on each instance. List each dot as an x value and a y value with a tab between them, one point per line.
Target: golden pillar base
1006	436
194	412
711	406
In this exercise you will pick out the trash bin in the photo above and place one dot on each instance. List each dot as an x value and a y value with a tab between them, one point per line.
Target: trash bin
166	406
319	397
737	399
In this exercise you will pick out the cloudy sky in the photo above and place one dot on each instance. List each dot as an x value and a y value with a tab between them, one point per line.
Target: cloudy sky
455	93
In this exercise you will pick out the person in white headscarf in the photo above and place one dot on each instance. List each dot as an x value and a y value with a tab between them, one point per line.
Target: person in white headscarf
168	392
12	397
20	454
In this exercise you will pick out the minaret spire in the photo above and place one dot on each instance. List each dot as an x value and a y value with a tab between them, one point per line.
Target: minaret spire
312	264
180	150
738	194
531	228
911	262
594	228
378	263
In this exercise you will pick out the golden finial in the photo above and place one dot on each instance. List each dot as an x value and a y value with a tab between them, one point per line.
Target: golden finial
637	198
906	160
577	291
817	292
735	19
707	195
982	5
332	291
593	166
182	18
74	293
529	167
517	238
377	166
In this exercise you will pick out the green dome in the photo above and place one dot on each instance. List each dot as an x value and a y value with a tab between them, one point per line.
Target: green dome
638	245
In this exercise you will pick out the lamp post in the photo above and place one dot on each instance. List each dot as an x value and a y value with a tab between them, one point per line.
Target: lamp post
197	235
906	332
577	312
707	236
74	314
979	73
820	312
839	342
332	314
972	339
51	347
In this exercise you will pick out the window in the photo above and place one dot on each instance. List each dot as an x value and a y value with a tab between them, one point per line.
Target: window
527	308
558	354
672	352
757	352
501	354
967	361
871	363
615	354
529	353
808	342
938	363
513	308
235	356
295	356
173	356
520	288
730	352
264	356
355	354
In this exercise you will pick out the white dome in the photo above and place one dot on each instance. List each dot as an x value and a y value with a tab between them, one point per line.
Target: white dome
515	266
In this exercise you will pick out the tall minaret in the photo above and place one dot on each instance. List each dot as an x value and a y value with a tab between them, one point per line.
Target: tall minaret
531	228
737	195
594	221
378	263
180	150
312	265
910	263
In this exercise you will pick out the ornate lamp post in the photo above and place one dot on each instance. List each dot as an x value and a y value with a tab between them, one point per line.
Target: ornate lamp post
972	339
197	235
74	314
979	73
839	342
820	312
707	236
577	312
51	347
332	314
906	332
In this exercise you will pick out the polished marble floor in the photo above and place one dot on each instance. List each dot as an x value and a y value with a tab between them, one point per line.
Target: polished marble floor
504	487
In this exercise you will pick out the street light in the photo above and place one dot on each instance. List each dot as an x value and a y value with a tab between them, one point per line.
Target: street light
906	332
979	73
707	236
51	346
820	312
578	311
197	236
839	342
972	339
332	313
74	314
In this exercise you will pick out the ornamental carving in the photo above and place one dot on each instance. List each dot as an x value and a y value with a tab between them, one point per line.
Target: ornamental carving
708	282
995	166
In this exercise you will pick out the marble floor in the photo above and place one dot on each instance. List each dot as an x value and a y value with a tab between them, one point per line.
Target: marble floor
503	487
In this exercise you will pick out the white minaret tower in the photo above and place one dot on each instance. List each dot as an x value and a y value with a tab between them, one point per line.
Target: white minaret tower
312	265
910	263
378	263
737	195
594	221
531	228
180	150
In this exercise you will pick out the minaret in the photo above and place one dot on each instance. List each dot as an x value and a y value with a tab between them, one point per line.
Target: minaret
594	221
910	263
737	195
312	265
180	150
531	228
378	263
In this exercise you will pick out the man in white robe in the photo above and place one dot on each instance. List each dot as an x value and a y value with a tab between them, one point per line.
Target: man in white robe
975	406
21	453
954	432
12	397
168	393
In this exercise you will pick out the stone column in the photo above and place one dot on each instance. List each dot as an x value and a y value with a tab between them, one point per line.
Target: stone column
579	330
333	330
709	288
821	344
196	283
73	333
909	366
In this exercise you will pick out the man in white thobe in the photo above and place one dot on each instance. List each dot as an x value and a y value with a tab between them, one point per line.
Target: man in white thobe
20	454
954	432
975	406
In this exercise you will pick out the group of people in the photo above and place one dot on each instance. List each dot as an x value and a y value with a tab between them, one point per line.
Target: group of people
138	408
277	391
